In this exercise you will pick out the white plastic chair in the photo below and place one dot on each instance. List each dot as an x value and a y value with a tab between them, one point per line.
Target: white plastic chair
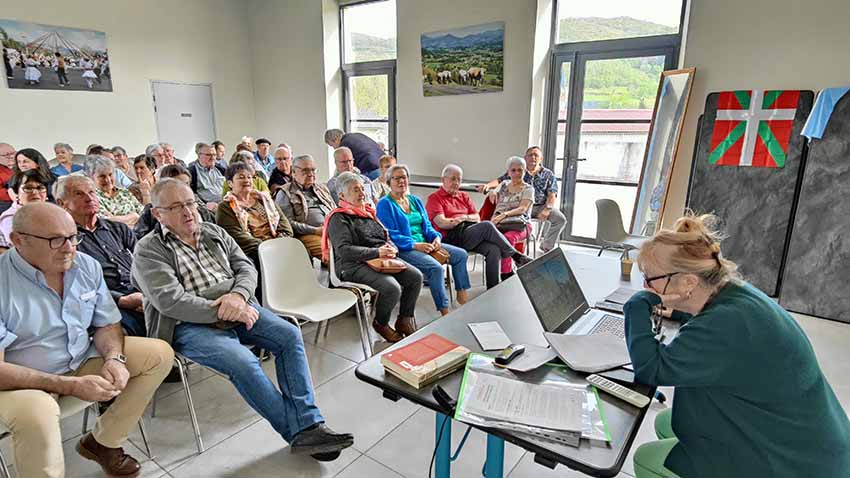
290	286
610	233
68	407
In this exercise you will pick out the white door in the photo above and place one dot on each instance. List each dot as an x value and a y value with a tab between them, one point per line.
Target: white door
184	116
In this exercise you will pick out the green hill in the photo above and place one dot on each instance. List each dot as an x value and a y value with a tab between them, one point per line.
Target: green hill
596	28
369	48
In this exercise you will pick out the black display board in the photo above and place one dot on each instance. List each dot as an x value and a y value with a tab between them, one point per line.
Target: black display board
754	204
817	275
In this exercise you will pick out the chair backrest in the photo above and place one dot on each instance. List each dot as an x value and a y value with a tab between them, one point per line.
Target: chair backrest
286	271
335	280
609	222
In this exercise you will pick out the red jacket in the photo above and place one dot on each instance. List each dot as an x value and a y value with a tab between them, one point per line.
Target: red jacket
5	175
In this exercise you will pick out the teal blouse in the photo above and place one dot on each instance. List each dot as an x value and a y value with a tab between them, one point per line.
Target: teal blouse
414	217
750	397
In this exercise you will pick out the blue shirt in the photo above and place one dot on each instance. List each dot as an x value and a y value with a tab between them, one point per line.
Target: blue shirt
60	170
544	182
265	164
42	331
122	180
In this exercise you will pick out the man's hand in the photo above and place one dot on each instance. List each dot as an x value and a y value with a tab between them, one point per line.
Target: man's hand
93	388
423	247
481	188
116	373
212	206
131	302
230	306
544	214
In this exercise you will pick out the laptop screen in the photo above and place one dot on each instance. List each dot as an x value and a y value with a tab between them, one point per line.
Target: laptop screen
554	291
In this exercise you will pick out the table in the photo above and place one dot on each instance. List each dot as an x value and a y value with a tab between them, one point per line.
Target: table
509	304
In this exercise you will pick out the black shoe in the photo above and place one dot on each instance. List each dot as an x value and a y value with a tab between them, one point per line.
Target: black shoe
521	259
330	456
320	440
507	275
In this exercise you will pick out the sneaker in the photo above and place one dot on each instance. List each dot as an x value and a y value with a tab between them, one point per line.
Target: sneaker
320	440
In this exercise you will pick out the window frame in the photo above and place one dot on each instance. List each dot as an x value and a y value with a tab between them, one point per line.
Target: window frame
368	68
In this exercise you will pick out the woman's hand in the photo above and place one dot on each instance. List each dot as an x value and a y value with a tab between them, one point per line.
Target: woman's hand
423	247
497	218
387	252
437	243
492	196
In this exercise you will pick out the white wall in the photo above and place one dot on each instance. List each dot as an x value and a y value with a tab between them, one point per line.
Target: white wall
477	131
193	41
765	44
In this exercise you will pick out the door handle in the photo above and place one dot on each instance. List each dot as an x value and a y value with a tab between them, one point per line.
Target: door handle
579	159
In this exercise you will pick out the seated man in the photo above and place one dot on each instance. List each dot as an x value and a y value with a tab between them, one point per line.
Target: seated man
59	335
545	196
345	164
199	290
282	172
306	203
7	162
263	160
365	151
207	176
110	243
455	217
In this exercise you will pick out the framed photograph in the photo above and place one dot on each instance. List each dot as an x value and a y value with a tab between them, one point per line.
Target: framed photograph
46	57
464	60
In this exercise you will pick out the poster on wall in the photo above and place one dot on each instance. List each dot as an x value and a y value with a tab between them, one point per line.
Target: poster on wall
464	60
47	57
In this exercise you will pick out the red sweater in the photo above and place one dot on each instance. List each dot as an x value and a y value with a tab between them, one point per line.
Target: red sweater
5	176
449	206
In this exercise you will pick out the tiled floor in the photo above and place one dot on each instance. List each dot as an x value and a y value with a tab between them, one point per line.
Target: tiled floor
392	440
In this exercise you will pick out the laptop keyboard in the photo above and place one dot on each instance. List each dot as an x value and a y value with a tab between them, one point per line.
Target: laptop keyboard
612	325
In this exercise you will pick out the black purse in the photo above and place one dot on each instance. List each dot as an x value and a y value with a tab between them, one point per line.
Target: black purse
512	223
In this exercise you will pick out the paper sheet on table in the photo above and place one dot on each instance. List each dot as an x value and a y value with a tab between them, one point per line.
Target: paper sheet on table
533	357
621	295
489	335
590	353
544	406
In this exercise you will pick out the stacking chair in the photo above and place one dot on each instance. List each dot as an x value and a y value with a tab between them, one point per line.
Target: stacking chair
610	233
290	287
68	407
362	291
182	364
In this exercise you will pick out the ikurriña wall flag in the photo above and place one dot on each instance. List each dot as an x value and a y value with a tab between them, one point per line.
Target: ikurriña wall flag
753	128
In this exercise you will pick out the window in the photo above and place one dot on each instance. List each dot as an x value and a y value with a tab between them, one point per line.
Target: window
369	66
581	20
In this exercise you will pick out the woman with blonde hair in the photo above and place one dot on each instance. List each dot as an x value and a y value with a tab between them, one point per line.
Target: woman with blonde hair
750	397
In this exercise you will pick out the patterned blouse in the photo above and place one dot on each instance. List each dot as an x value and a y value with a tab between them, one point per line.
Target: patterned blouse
123	202
544	182
507	200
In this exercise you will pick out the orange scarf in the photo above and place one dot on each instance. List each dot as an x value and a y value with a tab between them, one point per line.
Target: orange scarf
345	208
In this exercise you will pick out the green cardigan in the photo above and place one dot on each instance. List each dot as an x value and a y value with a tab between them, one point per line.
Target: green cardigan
750	397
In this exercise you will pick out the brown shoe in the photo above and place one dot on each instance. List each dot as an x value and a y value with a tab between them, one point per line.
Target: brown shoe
388	333
404	326
113	460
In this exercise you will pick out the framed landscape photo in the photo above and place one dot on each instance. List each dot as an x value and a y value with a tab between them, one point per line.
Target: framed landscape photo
464	60
47	57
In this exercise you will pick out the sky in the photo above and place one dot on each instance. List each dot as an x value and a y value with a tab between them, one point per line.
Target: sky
26	32
375	19
664	12
465	31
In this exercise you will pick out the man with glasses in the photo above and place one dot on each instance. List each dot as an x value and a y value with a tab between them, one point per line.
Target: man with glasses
365	151
200	287
344	161
282	172
60	335
207	176
7	163
305	203
110	243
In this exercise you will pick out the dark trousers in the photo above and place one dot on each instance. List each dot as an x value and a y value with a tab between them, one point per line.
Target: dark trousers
133	323
486	240
402	288
63	78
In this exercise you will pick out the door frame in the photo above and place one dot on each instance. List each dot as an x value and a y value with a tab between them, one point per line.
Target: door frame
181	83
373	68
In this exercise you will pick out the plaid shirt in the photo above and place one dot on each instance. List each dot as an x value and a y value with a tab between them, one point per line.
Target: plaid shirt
198	269
544	182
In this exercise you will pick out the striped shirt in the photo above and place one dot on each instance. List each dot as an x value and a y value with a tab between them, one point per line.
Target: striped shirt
198	268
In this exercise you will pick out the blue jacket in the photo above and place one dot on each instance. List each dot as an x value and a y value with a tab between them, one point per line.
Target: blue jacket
393	218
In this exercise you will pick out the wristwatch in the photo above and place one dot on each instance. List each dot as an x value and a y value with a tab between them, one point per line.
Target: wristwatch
120	358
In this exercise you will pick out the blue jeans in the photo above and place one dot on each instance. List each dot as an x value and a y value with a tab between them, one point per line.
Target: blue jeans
433	272
290	409
371	174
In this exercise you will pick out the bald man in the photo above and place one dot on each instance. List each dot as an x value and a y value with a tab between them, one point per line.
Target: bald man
7	162
60	335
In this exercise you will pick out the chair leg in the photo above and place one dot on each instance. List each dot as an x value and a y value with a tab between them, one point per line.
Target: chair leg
318	330
4	467
365	341
86	420
449	285
327	328
153	403
144	435
191	406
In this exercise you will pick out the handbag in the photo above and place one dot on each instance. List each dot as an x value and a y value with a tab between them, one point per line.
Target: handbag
440	255
512	223
386	266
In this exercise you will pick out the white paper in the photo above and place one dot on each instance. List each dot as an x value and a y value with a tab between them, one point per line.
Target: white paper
532	358
489	335
544	406
590	353
621	295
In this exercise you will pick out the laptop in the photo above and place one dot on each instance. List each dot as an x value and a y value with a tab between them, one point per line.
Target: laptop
560	303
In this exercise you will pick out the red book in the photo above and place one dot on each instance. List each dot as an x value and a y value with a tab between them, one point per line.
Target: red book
425	360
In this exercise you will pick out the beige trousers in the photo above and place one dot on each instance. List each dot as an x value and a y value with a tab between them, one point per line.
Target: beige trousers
33	415
313	243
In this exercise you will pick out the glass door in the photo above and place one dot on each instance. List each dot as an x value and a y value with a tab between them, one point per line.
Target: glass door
370	105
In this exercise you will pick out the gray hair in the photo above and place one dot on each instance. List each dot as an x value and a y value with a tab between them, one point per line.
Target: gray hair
65	183
342	149
163	145
301	159
345	180
64	146
119	150
151	148
200	146
162	186
95	164
332	135
284	147
393	169
516	160
451	168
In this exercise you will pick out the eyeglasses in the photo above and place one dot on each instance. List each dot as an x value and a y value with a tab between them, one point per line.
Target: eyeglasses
190	205
206	154
242	177
57	242
34	189
8	155
647	281
399	178
307	170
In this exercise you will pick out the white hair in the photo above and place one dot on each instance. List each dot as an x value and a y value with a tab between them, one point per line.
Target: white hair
161	186
65	146
96	163
516	160
345	180
301	159
151	148
343	149
392	169
283	148
65	183
450	168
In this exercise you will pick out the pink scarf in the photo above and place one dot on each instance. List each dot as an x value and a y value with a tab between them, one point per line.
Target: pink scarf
345	208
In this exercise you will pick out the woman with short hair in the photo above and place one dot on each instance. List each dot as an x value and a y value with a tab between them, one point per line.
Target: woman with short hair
750	397
116	204
405	217
513	199
27	186
355	234
145	168
260	184
65	157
